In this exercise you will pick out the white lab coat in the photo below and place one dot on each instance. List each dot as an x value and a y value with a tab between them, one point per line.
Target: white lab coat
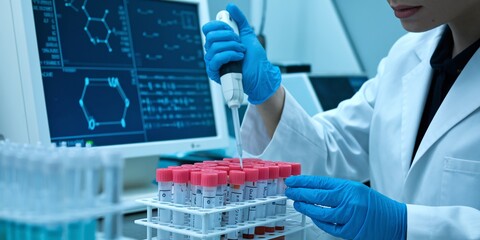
372	135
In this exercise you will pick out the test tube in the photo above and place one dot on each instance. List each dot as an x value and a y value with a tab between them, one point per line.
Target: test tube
76	228
113	163
209	190
9	199
237	185
280	206
249	214
272	191
226	192
164	179
92	175
52	182
296	168
196	198
3	182
262	192
220	196
180	180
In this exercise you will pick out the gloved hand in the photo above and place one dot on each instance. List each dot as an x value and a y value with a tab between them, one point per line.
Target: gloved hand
347	209
260	78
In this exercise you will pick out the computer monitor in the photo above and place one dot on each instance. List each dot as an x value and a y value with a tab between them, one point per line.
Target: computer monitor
331	90
126	75
321	93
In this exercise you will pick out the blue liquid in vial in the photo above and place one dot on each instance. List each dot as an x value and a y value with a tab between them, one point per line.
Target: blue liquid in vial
10	230
53	232
3	230
90	229
20	231
36	232
75	231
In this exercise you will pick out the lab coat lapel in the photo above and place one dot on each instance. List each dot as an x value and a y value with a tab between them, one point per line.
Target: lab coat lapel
461	101
415	86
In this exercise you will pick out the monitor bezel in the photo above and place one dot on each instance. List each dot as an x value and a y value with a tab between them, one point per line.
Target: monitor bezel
34	99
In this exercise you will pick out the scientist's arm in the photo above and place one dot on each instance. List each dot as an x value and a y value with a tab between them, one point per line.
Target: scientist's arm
334	143
271	111
261	80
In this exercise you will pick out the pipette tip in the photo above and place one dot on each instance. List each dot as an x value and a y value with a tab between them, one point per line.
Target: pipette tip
241	161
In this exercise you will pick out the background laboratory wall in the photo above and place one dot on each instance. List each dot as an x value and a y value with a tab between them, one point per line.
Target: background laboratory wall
214	6
372	29
337	37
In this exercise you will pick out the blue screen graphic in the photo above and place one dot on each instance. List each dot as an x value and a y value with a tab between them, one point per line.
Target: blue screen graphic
123	71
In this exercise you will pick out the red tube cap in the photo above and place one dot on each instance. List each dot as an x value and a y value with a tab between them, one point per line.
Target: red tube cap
232	160
237	177
180	175
285	170
235	167
296	168
273	172
196	178
222	168
164	175
222	177
209	179
263	172
251	174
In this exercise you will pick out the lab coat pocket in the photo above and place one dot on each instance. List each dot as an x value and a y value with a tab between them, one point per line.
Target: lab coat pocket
461	178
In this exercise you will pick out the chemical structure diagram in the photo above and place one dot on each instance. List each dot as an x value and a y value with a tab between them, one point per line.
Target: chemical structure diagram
91	21
111	82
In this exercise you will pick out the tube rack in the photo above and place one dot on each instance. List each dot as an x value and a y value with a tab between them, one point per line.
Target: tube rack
295	221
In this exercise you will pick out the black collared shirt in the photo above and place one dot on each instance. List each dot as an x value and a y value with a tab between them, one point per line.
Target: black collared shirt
445	71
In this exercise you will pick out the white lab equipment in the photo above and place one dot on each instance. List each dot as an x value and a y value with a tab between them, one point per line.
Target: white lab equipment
232	85
242	199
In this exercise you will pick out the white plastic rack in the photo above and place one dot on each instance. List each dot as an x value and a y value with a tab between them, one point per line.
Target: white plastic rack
295	221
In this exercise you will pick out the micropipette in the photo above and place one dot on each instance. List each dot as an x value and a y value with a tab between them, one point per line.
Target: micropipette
232	87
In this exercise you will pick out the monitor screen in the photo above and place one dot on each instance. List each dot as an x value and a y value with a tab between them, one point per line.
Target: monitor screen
124	72
126	75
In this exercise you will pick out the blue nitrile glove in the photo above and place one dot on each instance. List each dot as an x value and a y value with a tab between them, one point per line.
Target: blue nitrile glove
347	209
260	78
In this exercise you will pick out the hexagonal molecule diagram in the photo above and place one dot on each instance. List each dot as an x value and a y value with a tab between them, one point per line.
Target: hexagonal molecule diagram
111	82
97	20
